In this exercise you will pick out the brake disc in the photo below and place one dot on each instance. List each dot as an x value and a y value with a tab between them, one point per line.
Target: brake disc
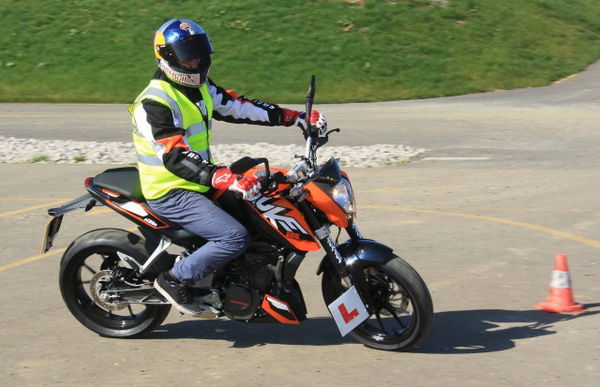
98	284
394	293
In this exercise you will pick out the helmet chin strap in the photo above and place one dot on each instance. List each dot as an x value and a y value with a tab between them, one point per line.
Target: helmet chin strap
185	79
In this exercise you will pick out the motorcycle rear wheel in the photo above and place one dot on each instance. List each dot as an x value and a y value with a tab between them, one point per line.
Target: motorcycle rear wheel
401	310
88	262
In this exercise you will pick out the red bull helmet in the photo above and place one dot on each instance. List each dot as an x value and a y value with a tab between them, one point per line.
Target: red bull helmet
182	40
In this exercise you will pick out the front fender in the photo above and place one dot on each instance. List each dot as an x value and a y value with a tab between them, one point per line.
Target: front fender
358	253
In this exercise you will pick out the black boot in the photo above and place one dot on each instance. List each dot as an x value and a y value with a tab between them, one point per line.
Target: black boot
176	293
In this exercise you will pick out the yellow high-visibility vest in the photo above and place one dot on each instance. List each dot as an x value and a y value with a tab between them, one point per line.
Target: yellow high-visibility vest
155	179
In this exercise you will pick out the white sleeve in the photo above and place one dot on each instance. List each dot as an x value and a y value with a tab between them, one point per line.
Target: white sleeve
227	106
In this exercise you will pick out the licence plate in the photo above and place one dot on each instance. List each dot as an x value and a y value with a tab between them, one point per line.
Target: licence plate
51	230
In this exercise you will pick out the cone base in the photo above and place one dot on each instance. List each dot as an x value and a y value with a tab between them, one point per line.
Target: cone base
556	308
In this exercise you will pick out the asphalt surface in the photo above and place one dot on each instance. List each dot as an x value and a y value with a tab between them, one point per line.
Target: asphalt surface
510	180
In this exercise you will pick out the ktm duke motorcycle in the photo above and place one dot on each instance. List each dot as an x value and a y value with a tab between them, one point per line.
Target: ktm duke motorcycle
106	275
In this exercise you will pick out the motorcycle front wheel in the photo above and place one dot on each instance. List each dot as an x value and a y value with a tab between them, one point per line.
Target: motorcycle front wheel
86	269
401	307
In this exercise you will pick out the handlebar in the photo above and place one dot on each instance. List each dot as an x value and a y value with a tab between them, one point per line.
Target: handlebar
299	174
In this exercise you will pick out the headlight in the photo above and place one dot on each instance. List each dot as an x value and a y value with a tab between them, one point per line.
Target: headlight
344	196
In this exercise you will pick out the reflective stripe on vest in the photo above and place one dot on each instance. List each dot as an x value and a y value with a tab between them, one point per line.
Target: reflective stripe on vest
156	180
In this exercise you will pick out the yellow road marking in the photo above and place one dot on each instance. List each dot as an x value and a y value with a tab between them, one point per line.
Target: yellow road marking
548	230
38	257
31	259
529	209
520	209
30	199
477	270
562	234
62	201
99	211
396	188
30	208
389	189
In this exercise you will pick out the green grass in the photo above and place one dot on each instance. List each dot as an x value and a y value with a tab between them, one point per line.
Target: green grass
40	159
371	50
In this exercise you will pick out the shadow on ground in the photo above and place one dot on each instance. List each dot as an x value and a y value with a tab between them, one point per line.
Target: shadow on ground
452	332
490	330
314	331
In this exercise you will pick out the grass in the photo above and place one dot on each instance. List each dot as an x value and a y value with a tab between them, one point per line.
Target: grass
360	50
40	159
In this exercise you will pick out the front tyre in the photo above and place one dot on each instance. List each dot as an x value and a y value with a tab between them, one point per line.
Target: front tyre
401	307
87	267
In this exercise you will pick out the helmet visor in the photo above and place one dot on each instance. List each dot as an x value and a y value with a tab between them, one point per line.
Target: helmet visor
192	47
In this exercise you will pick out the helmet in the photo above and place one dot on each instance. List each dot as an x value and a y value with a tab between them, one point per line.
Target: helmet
180	40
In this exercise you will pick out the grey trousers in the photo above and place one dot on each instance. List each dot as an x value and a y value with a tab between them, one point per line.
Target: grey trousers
196	213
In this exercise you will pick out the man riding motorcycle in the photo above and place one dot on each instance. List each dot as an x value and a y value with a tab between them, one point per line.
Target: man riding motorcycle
172	119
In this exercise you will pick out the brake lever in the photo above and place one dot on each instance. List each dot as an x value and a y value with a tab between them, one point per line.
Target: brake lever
332	131
315	135
322	140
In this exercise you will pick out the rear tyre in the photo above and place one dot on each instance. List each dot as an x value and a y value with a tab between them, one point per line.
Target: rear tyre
401	309
87	267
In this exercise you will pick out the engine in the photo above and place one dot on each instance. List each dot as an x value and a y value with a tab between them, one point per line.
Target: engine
241	302
247	279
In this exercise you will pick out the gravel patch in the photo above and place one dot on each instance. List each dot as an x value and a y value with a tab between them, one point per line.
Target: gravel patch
23	150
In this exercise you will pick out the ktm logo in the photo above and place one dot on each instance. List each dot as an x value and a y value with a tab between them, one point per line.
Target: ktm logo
276	216
151	222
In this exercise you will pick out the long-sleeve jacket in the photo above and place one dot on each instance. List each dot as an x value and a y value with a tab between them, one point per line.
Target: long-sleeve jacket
177	156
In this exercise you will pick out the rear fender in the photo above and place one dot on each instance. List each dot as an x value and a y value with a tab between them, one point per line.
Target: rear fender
53	226
84	201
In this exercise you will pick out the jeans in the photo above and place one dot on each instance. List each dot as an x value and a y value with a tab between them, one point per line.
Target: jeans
197	214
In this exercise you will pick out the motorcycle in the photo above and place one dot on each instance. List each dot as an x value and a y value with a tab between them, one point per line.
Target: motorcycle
106	275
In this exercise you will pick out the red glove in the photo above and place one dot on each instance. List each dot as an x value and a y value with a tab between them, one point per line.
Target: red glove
292	117
248	186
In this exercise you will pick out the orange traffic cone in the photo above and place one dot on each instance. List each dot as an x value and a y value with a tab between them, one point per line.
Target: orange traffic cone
560	299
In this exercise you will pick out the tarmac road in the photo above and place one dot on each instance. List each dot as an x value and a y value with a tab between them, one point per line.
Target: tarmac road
511	179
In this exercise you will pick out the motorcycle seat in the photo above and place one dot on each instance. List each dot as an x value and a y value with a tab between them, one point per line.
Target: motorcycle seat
123	181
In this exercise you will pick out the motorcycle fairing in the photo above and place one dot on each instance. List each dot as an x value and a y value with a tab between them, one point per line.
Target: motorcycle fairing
325	203
138	213
287	220
283	217
279	310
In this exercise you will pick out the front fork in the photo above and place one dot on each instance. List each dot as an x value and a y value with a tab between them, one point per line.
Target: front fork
335	257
